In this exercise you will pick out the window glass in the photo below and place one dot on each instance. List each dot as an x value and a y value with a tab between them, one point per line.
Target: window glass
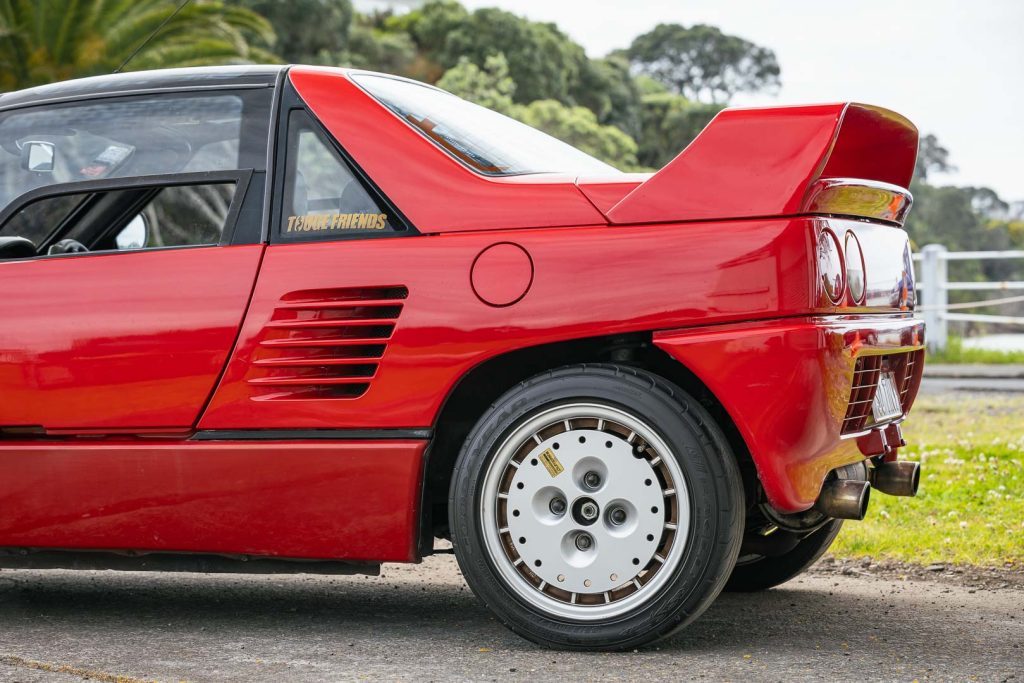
185	215
484	140
323	197
131	136
38	220
127	219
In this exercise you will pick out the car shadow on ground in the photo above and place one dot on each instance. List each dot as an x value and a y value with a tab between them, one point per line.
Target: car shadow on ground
353	608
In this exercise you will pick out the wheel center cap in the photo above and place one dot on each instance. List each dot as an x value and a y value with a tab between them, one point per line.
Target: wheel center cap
585	511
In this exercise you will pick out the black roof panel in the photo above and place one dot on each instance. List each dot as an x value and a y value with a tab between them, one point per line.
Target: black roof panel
141	81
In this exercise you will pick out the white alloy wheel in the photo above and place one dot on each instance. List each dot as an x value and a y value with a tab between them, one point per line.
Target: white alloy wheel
585	512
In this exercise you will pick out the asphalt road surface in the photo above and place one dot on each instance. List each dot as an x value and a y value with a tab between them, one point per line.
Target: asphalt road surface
421	623
942	385
939	378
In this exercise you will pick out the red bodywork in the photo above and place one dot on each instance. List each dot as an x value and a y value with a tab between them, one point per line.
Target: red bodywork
714	258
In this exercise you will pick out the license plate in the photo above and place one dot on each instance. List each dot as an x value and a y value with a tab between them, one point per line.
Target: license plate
887	404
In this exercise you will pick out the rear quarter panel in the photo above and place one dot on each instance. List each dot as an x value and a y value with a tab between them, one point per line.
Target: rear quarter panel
587	281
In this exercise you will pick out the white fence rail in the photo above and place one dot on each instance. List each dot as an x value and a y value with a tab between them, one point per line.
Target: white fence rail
935	286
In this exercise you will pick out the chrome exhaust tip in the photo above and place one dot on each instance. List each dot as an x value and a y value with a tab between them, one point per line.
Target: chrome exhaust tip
896	478
844	499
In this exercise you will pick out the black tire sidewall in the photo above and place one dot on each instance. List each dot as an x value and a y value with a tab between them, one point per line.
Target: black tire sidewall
712	480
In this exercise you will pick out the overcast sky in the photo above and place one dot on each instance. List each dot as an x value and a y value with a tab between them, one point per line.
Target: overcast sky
955	68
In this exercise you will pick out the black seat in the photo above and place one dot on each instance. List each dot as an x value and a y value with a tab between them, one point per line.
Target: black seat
16	247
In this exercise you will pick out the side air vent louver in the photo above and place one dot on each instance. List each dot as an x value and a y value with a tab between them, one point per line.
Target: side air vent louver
326	343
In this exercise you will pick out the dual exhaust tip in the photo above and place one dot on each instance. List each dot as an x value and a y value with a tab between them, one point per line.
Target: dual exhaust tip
848	498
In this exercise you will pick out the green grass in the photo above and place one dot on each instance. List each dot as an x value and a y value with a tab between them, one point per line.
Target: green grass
956	353
970	507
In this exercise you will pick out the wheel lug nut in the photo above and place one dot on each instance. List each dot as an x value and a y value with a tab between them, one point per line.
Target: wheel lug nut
591	479
557	506
584	542
617	516
589	510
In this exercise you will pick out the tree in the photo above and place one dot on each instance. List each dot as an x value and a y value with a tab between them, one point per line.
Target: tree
50	40
703	63
377	50
958	218
669	123
305	28
579	127
607	88
489	87
542	60
430	25
931	158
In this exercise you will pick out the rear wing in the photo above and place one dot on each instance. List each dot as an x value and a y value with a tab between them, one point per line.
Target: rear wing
835	159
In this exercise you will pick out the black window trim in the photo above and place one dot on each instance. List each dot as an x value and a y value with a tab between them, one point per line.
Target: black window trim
112	94
240	177
269	201
291	101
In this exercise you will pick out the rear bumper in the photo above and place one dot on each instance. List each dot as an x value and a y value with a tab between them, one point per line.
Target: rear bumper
800	389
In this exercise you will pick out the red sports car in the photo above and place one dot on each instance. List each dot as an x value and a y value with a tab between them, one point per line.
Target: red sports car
303	319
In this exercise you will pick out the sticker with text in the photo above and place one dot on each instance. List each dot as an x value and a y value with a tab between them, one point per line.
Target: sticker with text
326	222
551	462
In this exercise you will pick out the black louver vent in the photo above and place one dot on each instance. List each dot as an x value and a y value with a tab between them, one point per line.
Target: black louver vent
865	381
906	371
326	343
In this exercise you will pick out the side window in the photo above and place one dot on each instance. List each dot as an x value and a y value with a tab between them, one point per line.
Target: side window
132	171
131	136
125	219
323	198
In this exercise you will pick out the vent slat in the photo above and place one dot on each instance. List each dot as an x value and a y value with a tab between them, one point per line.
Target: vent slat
301	343
331	305
308	381
314	361
347	294
336	322
313	393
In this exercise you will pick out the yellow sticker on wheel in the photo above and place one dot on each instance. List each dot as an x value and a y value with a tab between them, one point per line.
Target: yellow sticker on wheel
550	461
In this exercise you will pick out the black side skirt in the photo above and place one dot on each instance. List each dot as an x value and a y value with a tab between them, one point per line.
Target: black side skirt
30	558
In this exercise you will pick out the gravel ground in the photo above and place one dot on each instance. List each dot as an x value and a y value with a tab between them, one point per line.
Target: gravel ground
967	577
843	620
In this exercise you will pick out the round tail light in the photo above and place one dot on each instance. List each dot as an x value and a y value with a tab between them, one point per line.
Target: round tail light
830	265
855	276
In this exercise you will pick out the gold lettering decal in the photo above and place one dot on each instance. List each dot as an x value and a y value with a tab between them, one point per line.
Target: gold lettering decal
326	222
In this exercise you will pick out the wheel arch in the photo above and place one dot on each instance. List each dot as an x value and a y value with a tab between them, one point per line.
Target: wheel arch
483	384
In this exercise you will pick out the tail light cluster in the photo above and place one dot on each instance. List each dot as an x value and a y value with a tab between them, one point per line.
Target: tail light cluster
841	267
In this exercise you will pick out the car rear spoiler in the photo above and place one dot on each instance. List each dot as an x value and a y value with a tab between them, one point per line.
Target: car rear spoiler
833	159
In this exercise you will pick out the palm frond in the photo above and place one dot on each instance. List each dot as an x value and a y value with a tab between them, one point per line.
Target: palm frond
46	40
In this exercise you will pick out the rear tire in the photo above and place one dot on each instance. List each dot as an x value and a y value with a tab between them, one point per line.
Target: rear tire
762	573
662	535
